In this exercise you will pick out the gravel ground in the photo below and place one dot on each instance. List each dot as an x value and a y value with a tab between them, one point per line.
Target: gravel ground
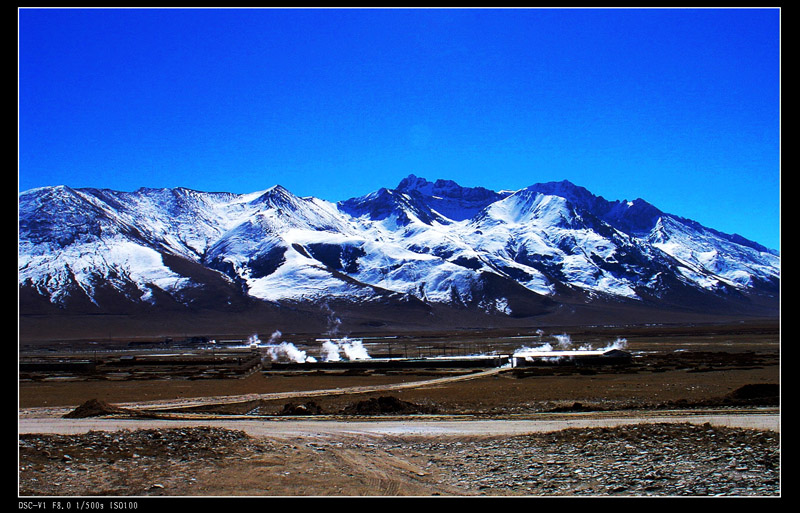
636	460
672	460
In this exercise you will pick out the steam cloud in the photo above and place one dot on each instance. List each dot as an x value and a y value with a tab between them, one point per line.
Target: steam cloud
278	351
353	349
333	321
333	348
620	343
564	343
288	350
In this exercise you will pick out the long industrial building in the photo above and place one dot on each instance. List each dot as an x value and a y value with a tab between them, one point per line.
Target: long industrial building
520	359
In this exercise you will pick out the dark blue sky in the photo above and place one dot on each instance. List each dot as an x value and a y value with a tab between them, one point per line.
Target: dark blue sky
680	107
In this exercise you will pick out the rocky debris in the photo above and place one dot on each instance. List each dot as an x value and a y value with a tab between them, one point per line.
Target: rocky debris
385	405
194	441
635	460
122	462
654	459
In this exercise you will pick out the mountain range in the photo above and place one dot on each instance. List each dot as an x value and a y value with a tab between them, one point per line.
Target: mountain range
421	254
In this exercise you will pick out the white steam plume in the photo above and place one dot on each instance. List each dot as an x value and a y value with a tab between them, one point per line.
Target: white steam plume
620	343
333	321
563	341
278	351
287	350
330	351
353	349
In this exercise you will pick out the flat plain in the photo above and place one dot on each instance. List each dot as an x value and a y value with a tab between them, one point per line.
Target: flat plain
723	369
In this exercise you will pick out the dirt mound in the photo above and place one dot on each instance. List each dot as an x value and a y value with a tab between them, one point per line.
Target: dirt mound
756	391
308	408
94	408
574	407
385	405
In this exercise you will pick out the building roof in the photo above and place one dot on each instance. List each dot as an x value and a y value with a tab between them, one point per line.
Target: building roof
567	354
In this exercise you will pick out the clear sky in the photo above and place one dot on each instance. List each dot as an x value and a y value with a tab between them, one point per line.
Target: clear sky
680	107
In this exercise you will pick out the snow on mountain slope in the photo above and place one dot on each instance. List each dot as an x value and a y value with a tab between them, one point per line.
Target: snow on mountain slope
71	239
272	249
438	242
710	259
544	237
392	209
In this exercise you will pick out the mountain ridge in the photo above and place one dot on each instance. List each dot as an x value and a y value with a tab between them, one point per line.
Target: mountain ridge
503	255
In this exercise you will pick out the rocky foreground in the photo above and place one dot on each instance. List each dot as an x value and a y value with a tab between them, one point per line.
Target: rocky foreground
637	460
670	460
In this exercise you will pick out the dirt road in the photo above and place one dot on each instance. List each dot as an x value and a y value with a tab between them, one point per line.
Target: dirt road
671	453
230	399
765	419
48	420
42	420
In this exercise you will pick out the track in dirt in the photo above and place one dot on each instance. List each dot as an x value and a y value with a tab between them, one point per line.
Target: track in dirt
49	420
765	419
204	401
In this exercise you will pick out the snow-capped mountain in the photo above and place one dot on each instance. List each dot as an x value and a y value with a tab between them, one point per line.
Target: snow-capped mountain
513	254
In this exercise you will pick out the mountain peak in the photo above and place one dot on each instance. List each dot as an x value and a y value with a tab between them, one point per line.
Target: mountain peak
400	205
275	195
633	217
441	187
414	183
170	247
567	190
449	198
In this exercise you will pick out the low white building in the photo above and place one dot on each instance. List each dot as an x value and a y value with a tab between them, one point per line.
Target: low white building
576	357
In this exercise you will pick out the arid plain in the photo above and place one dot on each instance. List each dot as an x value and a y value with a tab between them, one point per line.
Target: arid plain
699	369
